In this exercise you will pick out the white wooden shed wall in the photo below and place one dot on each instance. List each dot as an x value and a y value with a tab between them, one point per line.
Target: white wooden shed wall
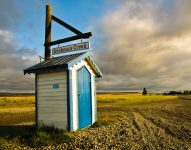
52	102
73	70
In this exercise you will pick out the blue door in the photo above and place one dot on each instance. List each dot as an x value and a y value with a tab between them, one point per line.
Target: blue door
84	98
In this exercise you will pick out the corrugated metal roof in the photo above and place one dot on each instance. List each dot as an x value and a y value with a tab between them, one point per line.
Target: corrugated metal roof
64	62
53	62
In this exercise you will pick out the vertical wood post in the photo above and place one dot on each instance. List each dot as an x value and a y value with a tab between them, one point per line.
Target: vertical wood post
36	100
48	31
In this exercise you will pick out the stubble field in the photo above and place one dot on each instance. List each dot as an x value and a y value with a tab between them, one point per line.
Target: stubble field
125	121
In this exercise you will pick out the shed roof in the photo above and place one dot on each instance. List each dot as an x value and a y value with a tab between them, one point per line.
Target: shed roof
63	62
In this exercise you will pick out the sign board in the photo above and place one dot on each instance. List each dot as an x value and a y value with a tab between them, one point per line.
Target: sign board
70	48
55	85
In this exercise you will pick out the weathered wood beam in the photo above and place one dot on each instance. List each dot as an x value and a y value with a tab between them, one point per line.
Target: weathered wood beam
76	37
69	27
48	31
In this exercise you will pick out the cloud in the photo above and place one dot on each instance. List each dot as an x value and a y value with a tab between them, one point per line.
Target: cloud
16	30
12	62
144	44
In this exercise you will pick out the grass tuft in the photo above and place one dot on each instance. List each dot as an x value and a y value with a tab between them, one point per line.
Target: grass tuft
46	136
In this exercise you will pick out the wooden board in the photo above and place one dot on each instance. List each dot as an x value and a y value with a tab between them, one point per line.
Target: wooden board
52	102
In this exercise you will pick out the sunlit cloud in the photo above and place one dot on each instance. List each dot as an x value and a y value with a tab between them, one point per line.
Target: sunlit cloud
140	44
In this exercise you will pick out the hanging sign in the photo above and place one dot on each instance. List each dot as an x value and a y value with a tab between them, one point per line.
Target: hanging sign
70	48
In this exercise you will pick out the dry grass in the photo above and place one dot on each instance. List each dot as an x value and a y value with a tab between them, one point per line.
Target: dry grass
16	100
16	110
130	99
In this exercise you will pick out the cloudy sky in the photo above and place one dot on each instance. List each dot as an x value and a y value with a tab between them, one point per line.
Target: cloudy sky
136	43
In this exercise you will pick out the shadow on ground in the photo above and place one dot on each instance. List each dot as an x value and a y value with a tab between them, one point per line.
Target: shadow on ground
29	136
16	130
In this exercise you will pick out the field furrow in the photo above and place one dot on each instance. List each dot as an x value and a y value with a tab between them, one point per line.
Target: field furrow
175	131
156	137
179	114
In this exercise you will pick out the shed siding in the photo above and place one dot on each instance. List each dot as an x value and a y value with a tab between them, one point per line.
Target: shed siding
52	102
74	91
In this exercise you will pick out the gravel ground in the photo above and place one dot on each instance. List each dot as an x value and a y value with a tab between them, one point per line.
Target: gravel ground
133	131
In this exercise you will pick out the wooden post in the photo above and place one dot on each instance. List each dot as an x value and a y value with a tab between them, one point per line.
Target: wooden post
48	31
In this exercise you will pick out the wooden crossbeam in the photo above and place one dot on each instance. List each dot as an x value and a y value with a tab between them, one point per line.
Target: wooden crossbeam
69	27
76	37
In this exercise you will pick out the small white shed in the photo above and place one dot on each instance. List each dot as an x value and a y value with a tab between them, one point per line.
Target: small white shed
66	91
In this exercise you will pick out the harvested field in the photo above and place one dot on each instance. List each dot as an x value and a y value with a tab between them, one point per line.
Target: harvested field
125	121
162	124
